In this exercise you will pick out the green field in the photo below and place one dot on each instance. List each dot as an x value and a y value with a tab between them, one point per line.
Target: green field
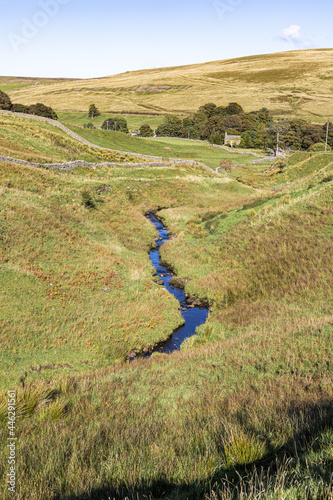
244	410
165	148
12	86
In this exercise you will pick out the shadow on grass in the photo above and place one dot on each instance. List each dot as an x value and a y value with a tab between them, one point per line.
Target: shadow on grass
278	467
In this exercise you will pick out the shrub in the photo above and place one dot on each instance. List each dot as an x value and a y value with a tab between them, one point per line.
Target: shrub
328	178
89	125
280	163
226	165
320	147
87	199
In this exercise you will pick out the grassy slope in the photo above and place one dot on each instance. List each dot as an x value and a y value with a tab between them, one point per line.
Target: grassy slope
165	148
254	384
287	82
36	141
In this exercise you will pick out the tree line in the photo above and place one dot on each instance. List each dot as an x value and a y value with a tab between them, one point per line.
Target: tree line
38	109
258	129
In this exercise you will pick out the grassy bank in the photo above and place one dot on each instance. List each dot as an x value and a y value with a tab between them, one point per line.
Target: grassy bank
245	409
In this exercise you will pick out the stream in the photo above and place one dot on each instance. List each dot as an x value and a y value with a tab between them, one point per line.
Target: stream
193	316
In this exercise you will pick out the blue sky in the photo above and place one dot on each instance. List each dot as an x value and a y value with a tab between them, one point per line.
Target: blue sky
83	38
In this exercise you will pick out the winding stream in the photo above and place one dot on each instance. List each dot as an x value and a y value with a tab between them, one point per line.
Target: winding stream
193	316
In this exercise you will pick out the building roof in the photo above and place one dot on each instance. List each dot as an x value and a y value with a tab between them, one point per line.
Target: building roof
229	137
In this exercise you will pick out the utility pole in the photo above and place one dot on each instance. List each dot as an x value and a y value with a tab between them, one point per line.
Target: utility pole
266	137
115	126
278	139
328	125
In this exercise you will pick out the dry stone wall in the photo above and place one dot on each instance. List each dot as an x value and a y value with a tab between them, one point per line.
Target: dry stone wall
68	166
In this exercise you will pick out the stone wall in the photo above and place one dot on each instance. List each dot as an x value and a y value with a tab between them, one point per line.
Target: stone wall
68	166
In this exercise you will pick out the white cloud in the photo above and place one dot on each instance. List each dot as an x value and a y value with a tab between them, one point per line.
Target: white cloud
293	34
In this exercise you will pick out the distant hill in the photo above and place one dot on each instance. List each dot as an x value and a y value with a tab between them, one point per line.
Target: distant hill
297	82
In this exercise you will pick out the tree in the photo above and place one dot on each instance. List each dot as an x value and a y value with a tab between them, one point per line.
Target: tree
233	122
233	108
5	102
216	138
40	109
146	130
212	127
20	108
208	109
172	126
115	123
248	139
93	111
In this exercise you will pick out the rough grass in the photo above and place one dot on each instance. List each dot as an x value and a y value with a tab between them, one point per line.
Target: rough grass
70	268
244	410
290	83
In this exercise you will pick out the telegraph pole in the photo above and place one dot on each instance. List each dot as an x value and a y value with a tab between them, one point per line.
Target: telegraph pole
266	137
328	125
278	139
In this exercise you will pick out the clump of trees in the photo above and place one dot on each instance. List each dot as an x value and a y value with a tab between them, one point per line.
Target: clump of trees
115	123
258	129
38	109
